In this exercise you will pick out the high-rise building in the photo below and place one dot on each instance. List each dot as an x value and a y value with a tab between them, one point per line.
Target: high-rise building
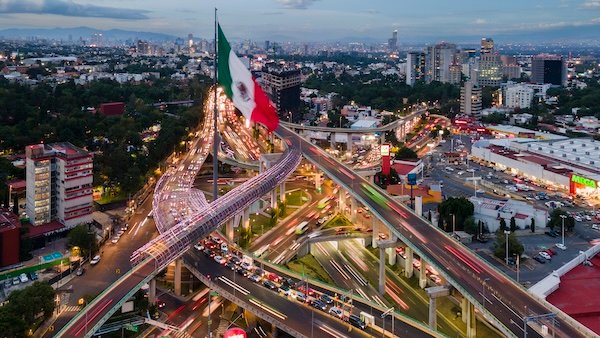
470	98
59	184
142	47
415	67
267	45
548	68
490	70
190	43
393	42
438	61
487	45
519	96
455	73
283	87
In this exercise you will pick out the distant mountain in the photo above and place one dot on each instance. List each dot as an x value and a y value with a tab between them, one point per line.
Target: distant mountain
83	32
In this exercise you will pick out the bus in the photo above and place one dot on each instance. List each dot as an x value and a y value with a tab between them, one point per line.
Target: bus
322	203
301	228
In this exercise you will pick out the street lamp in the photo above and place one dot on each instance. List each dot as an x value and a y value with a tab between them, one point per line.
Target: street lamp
388	312
563	228
506	233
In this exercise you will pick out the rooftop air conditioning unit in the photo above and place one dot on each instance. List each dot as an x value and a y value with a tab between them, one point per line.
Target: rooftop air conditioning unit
574	150
587	152
577	159
562	146
572	142
592	162
564	155
551	151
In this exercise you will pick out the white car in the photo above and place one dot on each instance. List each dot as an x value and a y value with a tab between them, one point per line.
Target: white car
115	240
23	278
460	173
578	218
199	246
596	226
336	311
95	260
561	246
220	259
545	255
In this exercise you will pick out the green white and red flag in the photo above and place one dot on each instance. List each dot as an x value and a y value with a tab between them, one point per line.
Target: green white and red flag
241	87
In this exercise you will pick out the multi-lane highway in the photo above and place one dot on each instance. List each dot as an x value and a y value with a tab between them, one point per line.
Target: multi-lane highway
504	299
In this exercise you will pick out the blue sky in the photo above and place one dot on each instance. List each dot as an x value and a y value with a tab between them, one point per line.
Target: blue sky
312	20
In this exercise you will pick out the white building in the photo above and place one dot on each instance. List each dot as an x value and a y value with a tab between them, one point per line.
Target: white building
470	98
59	184
518	96
490	212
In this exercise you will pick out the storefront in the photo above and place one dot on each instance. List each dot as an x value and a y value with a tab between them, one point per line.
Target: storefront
584	187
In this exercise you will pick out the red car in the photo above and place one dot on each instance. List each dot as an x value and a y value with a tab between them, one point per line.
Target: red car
274	278
310	292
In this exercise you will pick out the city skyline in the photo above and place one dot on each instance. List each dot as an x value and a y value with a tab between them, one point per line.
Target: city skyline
326	20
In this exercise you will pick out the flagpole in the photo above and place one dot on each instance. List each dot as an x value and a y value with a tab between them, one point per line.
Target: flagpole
215	122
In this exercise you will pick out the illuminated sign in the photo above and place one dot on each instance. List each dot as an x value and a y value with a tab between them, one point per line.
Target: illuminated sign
583	181
235	332
385	150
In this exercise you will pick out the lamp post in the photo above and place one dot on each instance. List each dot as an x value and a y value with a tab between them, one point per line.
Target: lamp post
563	228
388	312
506	233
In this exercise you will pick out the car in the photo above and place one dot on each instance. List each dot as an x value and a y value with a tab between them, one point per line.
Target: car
336	312
255	278
95	260
273	277
561	246
578	218
216	239
301	297
208	253
235	260
246	265
551	252
284	289
243	271
259	272
7	283
270	285
120	233
16	281
124	228
357	322
545	255
80	271
23	278
230	265
198	246
596	226
33	275
317	304
460	173
540	259
303	289
383	236
288	282
115	240
160	304
326	299
219	259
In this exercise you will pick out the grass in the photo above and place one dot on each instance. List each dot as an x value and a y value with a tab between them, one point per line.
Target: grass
310	267
295	197
259	224
337	221
111	197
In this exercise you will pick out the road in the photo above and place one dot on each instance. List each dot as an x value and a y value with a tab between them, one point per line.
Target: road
505	300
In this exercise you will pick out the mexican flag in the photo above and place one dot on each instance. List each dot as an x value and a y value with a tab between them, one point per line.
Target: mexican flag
242	88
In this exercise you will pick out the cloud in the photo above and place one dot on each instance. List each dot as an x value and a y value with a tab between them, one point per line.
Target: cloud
69	8
480	21
296	4
591	4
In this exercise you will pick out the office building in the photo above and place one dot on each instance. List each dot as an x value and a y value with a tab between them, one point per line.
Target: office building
470	98
519	96
283	87
59	184
548	68
10	238
438	61
487	46
142	47
415	67
455	73
490	70
393	42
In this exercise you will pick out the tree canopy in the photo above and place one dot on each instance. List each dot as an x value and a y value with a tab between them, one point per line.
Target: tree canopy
460	207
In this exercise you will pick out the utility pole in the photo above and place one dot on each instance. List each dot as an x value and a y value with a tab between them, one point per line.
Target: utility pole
215	123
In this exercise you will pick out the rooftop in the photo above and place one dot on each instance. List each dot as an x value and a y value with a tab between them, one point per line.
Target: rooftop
59	149
514	130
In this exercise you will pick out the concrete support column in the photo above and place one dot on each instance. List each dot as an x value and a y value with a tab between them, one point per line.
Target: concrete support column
372	179
273	199
349	144
246	219
375	234
423	274
282	191
341	201
381	281
332	140
419	205
382	137
352	209
471	322
408	263
229	225
464	309
392	255
177	278
274	330
432	313
152	292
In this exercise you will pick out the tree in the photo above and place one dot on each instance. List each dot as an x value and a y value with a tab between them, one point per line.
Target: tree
502	224
532	225
514	246
470	226
460	207
556	220
513	224
81	237
406	154
24	306
429	216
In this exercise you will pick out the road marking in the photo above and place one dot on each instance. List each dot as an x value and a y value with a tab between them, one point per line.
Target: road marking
358	277
234	285
269	309
339	269
331	331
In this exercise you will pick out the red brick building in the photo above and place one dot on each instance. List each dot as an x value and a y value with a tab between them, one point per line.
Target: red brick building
10	238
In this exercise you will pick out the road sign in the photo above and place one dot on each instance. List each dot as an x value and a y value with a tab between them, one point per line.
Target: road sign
411	178
132	328
214	293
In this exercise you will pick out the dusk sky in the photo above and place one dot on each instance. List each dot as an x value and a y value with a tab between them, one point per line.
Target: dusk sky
310	20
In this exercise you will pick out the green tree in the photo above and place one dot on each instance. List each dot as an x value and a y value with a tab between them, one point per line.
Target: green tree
456	209
556	220
470	226
513	224
514	246
405	153
503	224
83	237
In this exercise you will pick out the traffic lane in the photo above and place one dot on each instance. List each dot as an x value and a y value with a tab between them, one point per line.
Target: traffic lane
297	313
102	304
517	296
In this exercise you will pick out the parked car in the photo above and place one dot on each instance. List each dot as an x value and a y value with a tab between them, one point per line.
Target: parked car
199	246
561	246
357	322
95	260
80	271
33	275
545	255
23	278
16	281
540	259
